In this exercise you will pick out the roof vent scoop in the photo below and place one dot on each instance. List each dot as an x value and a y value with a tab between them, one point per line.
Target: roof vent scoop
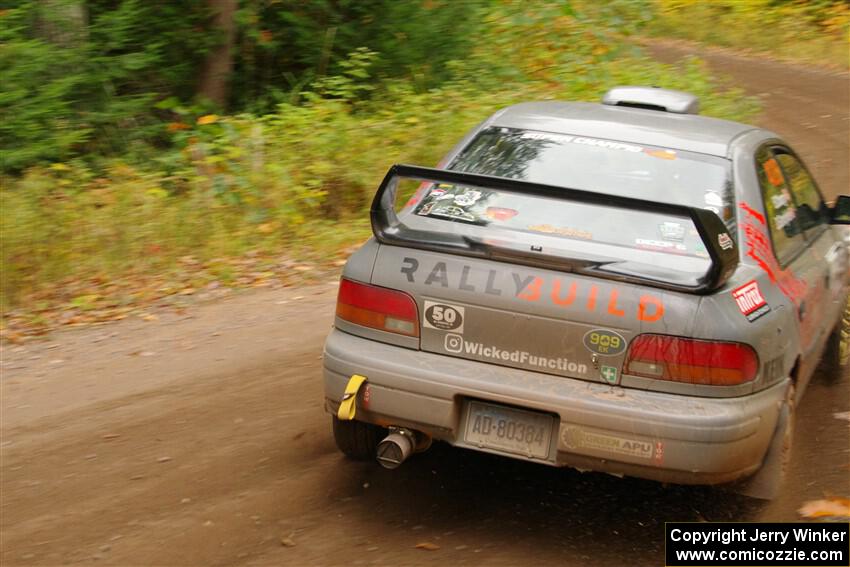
652	98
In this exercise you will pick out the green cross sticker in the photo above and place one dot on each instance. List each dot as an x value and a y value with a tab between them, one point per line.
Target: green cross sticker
609	374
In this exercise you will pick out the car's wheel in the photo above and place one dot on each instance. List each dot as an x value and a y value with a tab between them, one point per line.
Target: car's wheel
767	481
357	440
837	355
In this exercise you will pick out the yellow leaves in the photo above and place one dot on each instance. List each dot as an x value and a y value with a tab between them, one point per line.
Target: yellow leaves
427	546
830	507
85	302
207	119
13	337
260	279
157	192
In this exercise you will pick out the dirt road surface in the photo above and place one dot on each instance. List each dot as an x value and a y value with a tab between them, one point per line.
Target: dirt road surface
200	438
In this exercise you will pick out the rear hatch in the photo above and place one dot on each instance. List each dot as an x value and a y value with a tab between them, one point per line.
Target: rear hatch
546	279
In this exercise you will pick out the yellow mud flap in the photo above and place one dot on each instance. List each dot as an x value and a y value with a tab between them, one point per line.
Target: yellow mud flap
348	406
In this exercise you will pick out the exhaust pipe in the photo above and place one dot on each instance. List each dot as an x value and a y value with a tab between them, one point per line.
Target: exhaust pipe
396	447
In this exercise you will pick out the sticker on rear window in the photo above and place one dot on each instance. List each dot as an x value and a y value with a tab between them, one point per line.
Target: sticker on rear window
660	245
750	301
451	202
672	231
561	231
452	212
500	213
444	317
467	198
661	154
566	139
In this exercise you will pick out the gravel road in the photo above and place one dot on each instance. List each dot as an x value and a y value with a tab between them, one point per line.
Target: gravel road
200	438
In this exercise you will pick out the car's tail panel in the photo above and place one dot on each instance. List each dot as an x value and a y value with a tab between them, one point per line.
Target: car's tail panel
531	318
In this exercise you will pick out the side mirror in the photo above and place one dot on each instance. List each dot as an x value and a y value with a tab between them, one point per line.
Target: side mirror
840	211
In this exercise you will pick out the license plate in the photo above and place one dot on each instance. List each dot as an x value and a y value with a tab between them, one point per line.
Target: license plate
509	430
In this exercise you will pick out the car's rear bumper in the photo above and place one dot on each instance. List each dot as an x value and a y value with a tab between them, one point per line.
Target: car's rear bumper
693	440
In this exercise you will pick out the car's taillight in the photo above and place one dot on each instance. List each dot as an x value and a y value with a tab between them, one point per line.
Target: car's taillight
377	307
691	361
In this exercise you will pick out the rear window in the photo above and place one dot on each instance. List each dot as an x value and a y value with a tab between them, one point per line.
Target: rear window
530	220
604	166
643	244
601	166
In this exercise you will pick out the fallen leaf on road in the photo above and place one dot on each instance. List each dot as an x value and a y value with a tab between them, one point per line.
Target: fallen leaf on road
163	459
825	508
287	542
109	436
427	546
845	415
149	317
14	338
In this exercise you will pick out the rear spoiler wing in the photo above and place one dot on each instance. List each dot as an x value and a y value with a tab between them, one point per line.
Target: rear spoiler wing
387	228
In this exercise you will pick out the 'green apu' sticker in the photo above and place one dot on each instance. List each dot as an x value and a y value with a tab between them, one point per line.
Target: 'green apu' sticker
604	342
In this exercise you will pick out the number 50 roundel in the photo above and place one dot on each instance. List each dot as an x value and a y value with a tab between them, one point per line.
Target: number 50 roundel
443	317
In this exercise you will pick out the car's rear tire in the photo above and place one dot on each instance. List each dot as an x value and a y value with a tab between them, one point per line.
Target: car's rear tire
356	439
837	354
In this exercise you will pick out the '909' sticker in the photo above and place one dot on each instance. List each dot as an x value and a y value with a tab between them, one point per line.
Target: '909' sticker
443	317
604	342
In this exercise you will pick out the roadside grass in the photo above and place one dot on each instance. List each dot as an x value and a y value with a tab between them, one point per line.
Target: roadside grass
245	200
805	31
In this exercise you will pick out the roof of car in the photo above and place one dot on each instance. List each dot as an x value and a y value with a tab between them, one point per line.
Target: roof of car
687	132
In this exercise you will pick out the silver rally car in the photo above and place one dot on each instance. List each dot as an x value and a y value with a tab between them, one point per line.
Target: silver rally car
625	287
